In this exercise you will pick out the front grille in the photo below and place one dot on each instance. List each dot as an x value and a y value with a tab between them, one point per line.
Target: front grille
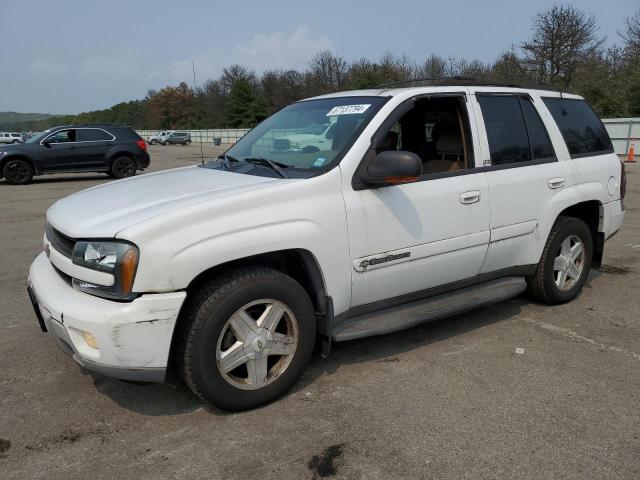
60	241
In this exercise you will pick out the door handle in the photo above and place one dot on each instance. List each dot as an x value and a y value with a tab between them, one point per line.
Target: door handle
557	182
467	198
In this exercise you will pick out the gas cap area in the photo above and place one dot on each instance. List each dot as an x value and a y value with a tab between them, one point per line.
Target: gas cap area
613	186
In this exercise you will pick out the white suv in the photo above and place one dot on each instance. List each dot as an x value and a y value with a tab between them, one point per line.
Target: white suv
427	202
159	138
10	137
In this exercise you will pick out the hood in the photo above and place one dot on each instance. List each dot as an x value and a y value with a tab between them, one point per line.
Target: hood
8	148
107	209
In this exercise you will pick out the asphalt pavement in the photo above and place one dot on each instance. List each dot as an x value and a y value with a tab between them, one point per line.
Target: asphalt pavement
448	400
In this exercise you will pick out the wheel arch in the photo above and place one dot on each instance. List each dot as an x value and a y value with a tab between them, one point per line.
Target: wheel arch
590	212
299	264
18	156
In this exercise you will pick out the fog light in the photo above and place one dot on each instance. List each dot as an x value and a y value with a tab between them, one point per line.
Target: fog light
90	339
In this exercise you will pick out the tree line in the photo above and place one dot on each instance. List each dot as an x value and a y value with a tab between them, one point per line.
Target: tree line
565	50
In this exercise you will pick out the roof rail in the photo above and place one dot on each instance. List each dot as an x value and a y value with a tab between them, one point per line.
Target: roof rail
471	81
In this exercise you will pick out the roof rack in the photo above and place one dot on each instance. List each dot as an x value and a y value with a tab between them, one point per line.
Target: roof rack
470	81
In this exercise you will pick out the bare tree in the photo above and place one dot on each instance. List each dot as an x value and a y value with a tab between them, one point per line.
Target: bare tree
631	34
563	37
328	71
433	67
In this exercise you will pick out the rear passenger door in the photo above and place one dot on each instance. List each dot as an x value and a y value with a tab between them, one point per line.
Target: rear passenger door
93	144
523	174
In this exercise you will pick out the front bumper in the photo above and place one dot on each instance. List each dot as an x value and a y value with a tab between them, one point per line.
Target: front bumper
133	338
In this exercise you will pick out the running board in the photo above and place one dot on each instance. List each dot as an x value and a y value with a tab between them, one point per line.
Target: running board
414	313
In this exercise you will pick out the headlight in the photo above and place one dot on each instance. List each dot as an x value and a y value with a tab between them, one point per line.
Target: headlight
118	258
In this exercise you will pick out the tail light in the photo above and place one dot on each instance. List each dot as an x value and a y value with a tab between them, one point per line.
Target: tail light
623	182
142	144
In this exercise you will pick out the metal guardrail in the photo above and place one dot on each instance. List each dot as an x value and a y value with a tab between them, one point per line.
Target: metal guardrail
621	131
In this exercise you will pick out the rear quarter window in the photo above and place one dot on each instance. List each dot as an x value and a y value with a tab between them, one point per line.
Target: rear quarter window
582	130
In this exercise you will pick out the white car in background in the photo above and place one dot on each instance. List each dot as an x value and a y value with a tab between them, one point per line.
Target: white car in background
313	138
10	137
159	138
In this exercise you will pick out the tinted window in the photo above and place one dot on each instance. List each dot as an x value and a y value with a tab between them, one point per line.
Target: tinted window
63	136
581	128
506	130
93	135
538	136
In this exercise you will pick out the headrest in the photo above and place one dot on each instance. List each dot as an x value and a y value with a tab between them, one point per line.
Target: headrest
390	142
449	143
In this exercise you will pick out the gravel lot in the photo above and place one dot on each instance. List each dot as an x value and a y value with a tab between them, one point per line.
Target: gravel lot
447	400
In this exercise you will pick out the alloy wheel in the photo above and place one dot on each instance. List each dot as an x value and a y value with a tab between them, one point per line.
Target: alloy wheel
257	344
569	262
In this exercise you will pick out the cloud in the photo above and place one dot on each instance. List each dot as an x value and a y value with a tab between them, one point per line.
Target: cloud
279	50
42	66
262	52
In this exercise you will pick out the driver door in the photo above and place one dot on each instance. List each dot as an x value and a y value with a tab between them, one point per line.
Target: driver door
59	151
405	239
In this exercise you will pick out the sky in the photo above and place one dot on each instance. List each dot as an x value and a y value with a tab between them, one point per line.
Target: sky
71	56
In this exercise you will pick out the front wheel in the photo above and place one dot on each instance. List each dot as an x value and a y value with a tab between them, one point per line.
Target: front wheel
123	167
18	172
246	338
565	263
153	142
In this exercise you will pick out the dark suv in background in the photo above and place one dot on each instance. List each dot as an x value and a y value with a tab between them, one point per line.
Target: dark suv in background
112	149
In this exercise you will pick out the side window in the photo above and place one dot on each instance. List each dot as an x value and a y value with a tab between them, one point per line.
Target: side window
93	135
435	129
63	136
541	147
506	130
582	130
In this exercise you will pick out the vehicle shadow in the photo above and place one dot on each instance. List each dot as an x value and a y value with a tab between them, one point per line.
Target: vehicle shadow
61	179
175	398
388	347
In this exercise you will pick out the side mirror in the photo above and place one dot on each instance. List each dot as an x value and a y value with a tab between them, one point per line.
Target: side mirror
392	168
47	141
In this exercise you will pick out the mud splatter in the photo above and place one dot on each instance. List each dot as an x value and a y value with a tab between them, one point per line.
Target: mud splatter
5	445
323	465
390	360
612	270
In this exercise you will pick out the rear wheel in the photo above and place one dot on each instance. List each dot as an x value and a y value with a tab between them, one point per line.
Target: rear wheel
187	143
153	142
123	167
246	338
565	263
18	172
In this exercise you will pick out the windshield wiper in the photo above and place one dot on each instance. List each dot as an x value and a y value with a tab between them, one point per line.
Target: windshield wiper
275	166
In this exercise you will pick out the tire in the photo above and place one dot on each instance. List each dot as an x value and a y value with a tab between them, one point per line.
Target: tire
210	328
16	141
18	172
560	252
123	167
153	142
187	143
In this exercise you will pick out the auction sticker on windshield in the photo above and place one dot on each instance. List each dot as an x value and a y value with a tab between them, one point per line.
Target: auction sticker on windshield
348	109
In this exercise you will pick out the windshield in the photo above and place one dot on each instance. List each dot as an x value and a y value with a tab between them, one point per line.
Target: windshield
39	136
307	135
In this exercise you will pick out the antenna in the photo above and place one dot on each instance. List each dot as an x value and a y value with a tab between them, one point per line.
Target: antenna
201	151
193	65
